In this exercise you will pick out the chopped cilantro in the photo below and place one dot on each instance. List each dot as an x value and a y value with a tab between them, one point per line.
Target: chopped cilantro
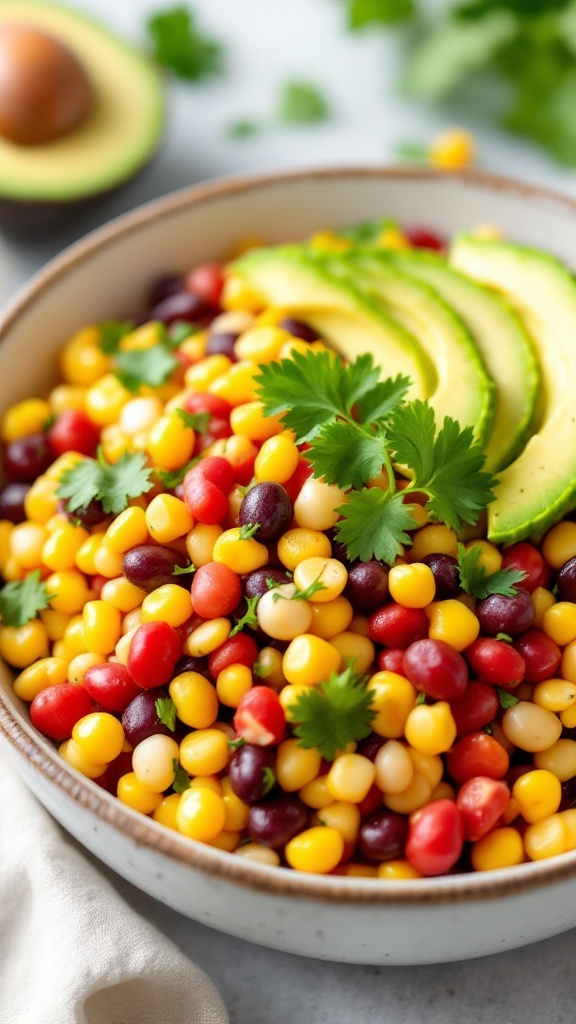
302	103
236	744
477	582
198	421
179	331
181	47
378	12
506	699
111	483
421	699
183	570
504	636
172	477
269	780
334	713
249	618
248	530
166	712
150	366
181	778
243	129
21	600
111	334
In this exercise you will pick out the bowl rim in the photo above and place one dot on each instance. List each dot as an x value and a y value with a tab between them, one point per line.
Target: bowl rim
144	831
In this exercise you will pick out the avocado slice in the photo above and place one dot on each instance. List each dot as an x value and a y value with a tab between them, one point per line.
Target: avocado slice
118	136
464	390
291	278
540	485
503	343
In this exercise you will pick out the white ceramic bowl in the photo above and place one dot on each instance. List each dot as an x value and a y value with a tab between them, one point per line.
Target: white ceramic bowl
333	918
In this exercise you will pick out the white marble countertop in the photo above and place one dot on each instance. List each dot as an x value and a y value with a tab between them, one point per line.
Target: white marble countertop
268	42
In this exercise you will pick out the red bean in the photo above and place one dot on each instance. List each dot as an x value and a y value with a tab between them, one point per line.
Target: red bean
216	469
395	626
477	754
74	431
481	801
207	503
251	773
276	822
510	615
435	838
541	655
436	669
154	651
527	559
260	717
110	685
496	662
140	719
477	708
392	660
383	836
216	590
55	710
238	650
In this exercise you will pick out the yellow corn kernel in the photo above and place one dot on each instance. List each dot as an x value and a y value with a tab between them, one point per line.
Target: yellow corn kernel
560	759
12	570
538	794
201	814
490	557
268	666
61	547
211	782
74	635
102	627
82	362
100	737
397	871
430	728
200	543
66	398
328	241
350	777
412	586
412	798
207	637
105	399
166	811
356	648
125	596
296	766
315	507
56	623
433	539
168	603
168	518
237	385
132	793
128	530
309	659
249	421
232	683
394	767
317	850
342	816
296	545
430	766
261	343
277	459
546	838
393	698
237	812
80	664
107	562
21	645
6	528
260	854
239	555
569	819
195	700
40	675
559	622
316	793
144	337
237	293
452	150
170	442
555	694
559	544
452	622
41	501
501	848
23	418
392	238
332	618
200	376
531	727
71	753
542	600
85	556
114	443
25	544
327	573
204	752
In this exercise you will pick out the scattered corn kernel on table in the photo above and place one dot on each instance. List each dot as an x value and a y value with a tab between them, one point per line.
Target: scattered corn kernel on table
261	986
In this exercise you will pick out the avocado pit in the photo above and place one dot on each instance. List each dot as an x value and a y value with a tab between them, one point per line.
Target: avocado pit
44	90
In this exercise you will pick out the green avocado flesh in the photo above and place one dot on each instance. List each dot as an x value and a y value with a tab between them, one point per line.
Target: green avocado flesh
503	343
540	485
120	133
350	321
464	391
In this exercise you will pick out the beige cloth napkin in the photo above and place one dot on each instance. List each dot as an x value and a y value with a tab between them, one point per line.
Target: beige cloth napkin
71	950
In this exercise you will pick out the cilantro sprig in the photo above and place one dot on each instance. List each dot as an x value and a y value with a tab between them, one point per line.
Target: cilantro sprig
334	713
180	46
22	600
249	618
356	424
181	778
478	583
111	483
150	366
166	712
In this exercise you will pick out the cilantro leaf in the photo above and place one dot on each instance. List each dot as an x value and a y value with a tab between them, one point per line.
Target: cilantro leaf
412	152
477	582
448	468
166	712
345	456
111	334
181	778
374	525
506	700
152	366
179	331
368	232
243	129
302	103
183	570
249	618
198	421
313	388
308	593
455	48
379	402
248	530
21	600
172	477
180	46
379	12
269	779
334	713
111	483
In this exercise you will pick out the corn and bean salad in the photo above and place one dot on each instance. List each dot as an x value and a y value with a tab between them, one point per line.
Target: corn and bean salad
189	631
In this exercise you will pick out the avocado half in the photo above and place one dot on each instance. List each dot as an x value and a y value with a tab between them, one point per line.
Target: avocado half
41	185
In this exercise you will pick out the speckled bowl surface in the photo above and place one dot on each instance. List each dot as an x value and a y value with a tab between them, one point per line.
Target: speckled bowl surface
347	919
